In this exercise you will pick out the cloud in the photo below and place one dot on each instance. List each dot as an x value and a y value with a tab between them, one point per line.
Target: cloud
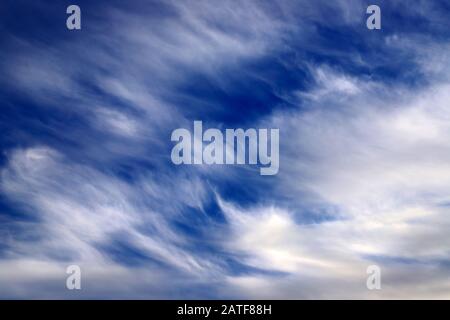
79	210
378	162
364	162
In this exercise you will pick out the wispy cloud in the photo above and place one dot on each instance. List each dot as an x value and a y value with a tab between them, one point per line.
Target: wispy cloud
364	157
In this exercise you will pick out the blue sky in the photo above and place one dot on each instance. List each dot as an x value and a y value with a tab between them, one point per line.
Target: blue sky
86	176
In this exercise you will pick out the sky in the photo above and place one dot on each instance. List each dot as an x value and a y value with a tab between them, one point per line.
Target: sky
86	176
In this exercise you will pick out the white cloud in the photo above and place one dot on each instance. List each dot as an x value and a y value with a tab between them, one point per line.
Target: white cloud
381	161
79	209
377	155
